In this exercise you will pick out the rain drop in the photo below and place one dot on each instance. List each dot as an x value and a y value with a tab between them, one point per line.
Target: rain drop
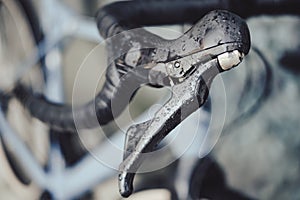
120	177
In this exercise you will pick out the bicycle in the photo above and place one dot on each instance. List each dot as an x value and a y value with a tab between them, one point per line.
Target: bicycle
292	10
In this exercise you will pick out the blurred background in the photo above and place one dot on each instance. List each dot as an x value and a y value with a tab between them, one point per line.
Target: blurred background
253	154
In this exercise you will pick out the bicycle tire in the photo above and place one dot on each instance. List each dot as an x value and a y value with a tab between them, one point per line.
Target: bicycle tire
21	11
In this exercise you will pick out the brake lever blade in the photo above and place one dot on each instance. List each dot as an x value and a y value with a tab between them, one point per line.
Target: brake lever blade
216	43
186	98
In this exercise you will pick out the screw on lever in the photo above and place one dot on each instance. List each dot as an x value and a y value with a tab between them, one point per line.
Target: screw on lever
224	40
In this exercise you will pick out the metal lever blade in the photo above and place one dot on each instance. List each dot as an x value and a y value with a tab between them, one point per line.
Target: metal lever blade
141	138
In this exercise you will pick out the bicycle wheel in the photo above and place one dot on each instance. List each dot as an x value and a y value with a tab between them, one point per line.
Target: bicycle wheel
19	35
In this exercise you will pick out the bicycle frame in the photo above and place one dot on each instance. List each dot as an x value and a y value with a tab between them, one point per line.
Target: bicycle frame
56	177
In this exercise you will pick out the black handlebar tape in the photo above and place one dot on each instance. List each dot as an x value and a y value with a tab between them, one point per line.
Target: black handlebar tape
124	15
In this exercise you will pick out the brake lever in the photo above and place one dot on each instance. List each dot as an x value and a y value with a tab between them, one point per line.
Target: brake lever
186	98
189	77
